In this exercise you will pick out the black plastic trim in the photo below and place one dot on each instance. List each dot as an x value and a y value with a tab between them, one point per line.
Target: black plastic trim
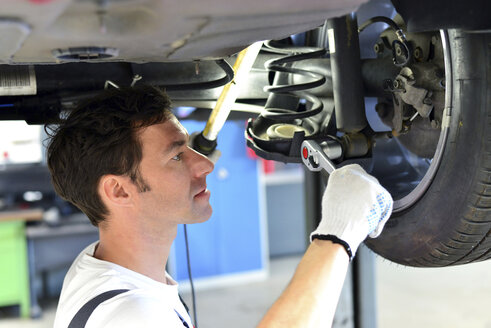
336	240
423	15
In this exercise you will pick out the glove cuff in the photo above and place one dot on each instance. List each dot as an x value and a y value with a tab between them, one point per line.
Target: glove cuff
335	240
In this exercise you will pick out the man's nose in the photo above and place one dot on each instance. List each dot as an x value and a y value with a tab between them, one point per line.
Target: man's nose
201	164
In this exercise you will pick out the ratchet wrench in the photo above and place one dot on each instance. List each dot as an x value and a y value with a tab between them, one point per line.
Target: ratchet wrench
314	157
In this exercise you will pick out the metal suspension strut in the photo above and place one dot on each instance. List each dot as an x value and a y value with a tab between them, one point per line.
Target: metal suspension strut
348	86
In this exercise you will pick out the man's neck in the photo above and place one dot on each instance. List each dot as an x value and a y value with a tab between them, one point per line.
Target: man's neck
144	253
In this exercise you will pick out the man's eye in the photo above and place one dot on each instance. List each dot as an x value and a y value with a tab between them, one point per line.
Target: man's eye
177	157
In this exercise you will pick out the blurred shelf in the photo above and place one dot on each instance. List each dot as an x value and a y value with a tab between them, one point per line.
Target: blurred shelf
284	177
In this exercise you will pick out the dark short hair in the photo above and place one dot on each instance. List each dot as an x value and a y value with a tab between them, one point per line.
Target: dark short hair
100	137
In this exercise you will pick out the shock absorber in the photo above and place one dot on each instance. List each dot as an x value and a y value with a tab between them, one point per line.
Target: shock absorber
344	49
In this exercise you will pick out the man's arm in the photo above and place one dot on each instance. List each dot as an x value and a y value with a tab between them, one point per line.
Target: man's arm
311	297
354	205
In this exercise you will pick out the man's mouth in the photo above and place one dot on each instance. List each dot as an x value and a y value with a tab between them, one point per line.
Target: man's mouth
202	193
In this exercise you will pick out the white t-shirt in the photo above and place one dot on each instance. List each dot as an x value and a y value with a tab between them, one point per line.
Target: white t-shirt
148	303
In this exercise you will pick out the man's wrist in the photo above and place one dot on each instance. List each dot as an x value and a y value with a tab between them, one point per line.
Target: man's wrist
319	238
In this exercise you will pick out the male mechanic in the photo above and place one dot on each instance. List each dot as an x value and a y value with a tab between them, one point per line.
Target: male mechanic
123	159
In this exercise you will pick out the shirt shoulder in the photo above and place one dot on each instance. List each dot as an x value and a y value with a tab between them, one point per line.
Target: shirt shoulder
135	308
148	303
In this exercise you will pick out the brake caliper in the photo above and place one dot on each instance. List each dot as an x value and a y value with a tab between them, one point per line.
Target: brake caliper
406	96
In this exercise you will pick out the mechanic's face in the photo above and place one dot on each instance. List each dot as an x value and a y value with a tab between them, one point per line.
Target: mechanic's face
175	174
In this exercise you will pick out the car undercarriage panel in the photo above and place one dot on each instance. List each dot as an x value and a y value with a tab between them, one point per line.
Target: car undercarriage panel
54	31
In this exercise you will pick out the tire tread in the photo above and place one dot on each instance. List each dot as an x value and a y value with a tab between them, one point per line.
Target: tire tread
471	241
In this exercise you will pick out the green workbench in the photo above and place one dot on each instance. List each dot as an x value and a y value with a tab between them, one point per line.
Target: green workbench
14	272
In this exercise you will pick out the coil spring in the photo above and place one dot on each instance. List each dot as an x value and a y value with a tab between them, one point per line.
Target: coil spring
299	90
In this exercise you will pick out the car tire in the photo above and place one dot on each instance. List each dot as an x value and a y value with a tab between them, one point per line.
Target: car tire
451	223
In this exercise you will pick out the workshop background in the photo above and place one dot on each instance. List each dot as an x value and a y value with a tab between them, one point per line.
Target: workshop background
242	258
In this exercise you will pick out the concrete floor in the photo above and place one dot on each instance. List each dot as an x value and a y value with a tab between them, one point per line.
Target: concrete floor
451	297
406	297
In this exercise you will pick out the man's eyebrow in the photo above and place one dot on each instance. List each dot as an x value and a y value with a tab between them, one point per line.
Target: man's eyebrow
176	144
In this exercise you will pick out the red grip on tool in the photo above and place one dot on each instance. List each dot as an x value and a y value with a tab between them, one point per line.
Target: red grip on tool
305	152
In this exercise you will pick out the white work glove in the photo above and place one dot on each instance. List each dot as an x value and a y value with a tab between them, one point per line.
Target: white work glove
354	205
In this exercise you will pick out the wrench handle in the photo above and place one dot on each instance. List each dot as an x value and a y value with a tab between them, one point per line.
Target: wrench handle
314	157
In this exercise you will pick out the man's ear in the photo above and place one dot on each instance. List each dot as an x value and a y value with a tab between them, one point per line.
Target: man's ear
116	190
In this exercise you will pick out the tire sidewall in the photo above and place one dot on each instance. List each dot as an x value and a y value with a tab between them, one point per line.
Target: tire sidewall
412	235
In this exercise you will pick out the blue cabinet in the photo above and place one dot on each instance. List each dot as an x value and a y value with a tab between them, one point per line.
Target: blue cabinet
232	241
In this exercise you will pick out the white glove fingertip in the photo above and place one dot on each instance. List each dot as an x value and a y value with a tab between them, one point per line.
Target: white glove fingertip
384	218
375	233
349	169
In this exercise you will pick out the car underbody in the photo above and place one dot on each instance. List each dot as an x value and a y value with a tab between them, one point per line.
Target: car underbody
313	82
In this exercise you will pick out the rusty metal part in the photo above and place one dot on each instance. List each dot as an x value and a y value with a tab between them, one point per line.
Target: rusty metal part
355	145
419	98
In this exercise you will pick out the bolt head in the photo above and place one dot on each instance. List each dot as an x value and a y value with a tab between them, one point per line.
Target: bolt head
435	124
398	51
378	48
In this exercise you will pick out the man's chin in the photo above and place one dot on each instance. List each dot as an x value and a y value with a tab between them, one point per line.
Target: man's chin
201	217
